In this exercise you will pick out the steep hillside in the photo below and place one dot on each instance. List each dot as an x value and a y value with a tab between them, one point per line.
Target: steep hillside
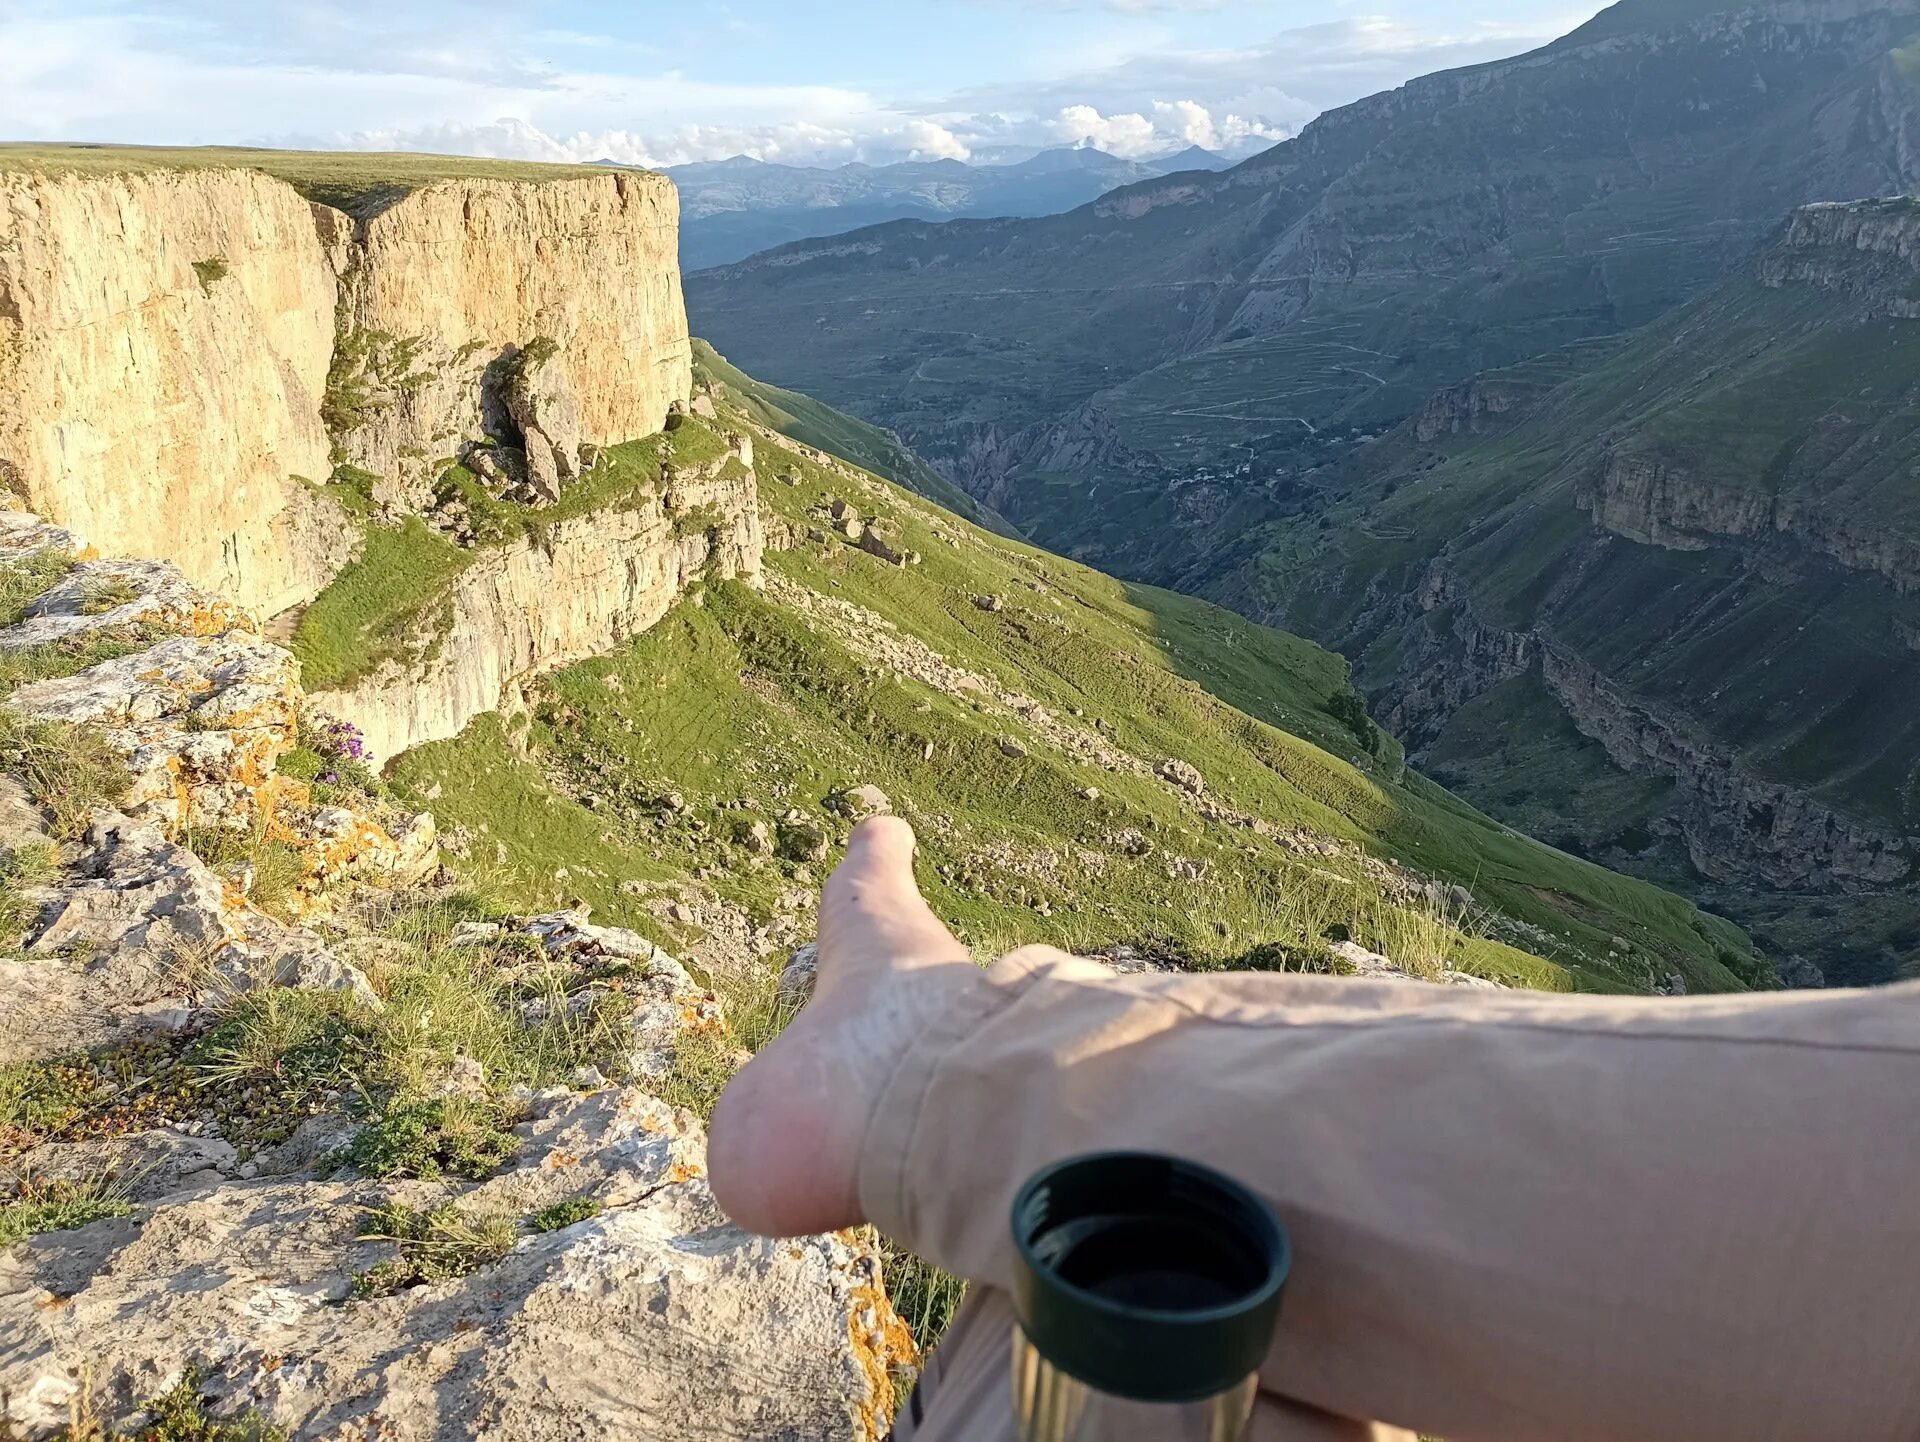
1696	565
804	419
1140	377
733	208
1087	762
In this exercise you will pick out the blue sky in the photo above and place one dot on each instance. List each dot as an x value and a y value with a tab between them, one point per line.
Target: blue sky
664	84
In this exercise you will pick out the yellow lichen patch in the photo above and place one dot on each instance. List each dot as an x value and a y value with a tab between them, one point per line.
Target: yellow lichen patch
882	1346
559	1161
685	1172
702	1017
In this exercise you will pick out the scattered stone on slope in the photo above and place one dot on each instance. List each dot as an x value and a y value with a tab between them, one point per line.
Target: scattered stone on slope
802	839
863	800
1373	965
1182	774
874	544
987	603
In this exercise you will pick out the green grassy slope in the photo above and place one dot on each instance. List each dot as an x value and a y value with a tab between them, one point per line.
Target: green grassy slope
349	180
846	670
808	421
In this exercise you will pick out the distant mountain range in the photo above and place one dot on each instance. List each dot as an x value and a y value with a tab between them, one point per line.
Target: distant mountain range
729	209
1675	607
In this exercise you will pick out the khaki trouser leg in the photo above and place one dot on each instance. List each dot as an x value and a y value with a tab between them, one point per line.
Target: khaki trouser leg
1514	1217
966	1394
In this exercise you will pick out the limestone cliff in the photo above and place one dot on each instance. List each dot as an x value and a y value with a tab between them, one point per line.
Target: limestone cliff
164	344
441	291
181	352
579	589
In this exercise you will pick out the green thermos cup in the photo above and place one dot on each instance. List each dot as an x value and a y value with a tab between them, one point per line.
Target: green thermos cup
1147	1290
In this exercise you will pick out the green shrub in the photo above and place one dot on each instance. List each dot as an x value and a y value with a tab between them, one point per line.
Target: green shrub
434	1246
210	273
451	1136
564	1214
1349	708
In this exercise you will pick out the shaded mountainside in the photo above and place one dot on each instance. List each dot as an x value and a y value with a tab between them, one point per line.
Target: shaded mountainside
1690	575
733	208
1234	326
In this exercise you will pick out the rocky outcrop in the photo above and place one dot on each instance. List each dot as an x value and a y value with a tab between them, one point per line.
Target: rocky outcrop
1480	406
1867	249
164	346
1660	502
1082	441
181	354
444	291
1738	827
581	587
648	1311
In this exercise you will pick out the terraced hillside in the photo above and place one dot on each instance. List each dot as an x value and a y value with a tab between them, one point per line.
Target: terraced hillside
1087	762
1668	612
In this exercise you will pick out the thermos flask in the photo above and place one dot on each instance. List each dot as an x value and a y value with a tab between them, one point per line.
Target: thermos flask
1146	1289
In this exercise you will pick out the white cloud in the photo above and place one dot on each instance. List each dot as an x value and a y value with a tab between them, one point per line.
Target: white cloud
1128	135
480	78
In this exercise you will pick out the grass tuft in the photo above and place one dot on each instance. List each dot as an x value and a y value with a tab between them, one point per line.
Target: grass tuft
435	1246
559	1215
57	1206
430	1138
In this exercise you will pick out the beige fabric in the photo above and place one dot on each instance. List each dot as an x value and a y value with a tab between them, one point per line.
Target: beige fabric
1515	1216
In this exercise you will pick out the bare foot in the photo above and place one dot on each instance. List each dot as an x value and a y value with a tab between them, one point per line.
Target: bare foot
784	1147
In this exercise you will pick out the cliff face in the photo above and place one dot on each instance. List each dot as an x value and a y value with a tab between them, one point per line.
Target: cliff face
1738	827
442	290
590	583
178	348
1867	248
164	344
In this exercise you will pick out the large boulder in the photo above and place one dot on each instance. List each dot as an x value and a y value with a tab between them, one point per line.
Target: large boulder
540	399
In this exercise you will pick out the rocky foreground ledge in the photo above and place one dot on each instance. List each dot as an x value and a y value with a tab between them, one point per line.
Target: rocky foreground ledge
296	1132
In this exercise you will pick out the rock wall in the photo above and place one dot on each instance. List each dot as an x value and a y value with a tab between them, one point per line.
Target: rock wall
586	585
164	345
1738	827
176	347
1865	248
443	289
1660	503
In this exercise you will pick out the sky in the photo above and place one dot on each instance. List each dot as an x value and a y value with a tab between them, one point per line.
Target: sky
780	80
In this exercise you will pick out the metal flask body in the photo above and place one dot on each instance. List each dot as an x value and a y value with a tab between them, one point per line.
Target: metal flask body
1146	1290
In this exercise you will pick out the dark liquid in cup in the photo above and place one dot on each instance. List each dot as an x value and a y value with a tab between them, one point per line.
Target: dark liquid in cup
1154	1263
